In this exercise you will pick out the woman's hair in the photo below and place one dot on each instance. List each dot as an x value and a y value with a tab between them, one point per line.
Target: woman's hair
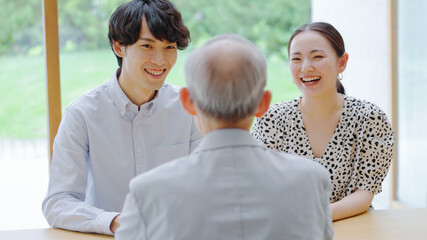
163	20
331	34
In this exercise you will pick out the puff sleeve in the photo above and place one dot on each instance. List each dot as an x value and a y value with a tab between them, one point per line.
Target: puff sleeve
376	150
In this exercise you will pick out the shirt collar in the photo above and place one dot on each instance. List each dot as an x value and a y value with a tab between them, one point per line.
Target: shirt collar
227	137
119	97
123	103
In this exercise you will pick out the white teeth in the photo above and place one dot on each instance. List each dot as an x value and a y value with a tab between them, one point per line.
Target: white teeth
309	79
154	72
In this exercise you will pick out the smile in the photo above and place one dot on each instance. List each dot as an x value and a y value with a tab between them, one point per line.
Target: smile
155	73
310	79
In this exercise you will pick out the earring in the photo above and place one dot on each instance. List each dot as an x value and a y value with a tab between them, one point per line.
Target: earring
340	76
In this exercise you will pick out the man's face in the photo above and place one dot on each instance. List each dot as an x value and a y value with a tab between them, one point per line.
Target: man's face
147	62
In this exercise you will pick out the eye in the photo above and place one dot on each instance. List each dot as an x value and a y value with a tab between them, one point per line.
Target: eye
170	47
146	45
295	59
318	57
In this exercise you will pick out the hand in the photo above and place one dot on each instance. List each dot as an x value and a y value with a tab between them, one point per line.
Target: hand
115	224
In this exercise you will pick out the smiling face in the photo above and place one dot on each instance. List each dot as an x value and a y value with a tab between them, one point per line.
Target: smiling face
314	64
146	63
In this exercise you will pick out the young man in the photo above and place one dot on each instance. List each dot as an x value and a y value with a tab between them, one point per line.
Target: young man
126	126
230	187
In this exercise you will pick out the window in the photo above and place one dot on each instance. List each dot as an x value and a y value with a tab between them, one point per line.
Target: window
23	143
412	181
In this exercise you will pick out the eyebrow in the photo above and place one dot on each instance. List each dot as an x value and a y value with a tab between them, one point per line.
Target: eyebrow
312	51
152	40
147	39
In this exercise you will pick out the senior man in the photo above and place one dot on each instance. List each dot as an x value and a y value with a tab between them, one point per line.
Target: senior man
230	187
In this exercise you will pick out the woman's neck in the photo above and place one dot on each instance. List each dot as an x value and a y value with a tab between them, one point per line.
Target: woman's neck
321	106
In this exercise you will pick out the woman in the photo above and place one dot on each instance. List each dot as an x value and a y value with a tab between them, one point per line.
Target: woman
351	138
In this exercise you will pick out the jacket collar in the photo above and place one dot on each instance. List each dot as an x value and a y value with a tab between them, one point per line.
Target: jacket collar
227	137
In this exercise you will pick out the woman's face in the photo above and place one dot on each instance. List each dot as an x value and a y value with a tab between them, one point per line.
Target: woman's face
314	64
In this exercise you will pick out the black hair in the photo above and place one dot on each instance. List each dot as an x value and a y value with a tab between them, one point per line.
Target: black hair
163	20
333	37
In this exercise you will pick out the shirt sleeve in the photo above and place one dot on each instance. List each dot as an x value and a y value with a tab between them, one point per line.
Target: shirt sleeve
132	225
266	128
64	205
377	151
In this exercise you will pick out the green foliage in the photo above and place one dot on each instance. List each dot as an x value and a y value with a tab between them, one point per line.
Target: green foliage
23	87
22	97
266	23
20	25
83	24
84	46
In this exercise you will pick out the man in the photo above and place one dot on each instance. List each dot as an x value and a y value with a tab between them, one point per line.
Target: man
230	187
126	126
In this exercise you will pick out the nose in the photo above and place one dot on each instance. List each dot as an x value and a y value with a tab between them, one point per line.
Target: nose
158	58
307	66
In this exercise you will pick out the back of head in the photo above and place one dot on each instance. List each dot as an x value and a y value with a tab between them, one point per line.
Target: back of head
331	34
226	77
163	20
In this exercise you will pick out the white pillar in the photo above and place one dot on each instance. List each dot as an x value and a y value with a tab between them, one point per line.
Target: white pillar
363	25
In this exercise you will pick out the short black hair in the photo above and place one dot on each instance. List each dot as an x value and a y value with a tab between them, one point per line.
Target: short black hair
163	20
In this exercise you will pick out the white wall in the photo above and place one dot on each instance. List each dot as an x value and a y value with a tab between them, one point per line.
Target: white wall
364	27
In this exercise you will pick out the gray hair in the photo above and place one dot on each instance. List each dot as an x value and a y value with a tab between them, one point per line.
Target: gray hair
226	77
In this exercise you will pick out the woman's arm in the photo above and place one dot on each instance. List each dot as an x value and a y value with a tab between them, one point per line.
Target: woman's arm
354	204
377	148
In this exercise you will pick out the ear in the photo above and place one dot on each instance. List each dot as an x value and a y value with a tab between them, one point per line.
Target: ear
342	62
264	104
187	103
118	49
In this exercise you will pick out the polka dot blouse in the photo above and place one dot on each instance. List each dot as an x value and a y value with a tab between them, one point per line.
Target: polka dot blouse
358	155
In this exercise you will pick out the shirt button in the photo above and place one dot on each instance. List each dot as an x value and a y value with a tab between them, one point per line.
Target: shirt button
139	150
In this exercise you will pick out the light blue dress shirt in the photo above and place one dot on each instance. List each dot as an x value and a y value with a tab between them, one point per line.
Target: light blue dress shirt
103	141
230	187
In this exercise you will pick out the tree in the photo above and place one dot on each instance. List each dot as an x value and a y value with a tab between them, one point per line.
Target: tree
83	23
268	24
20	26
